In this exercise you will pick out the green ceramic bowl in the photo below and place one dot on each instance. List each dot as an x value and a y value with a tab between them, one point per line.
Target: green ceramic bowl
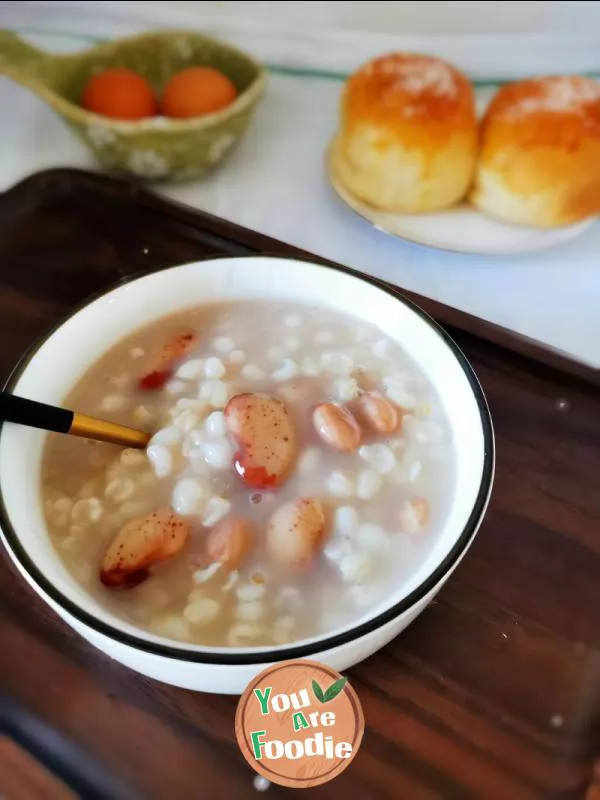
153	148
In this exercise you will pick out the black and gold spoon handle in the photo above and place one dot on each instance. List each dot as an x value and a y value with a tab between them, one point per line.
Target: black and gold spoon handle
61	420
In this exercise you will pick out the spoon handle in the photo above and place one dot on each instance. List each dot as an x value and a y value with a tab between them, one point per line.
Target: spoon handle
34	414
104	431
60	420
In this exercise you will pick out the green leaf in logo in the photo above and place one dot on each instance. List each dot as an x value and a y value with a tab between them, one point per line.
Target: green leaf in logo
334	690
318	692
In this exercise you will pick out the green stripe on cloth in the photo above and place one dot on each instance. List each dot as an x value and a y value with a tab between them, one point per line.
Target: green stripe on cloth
276	69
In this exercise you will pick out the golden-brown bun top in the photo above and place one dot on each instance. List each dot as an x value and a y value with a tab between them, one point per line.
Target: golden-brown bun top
402	88
552	111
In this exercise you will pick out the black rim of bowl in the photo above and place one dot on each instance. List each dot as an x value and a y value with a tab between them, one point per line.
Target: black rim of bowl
260	655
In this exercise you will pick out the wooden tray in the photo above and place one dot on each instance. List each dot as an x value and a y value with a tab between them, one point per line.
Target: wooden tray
492	693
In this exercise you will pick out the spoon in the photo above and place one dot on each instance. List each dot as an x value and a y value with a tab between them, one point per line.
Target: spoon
154	147
61	420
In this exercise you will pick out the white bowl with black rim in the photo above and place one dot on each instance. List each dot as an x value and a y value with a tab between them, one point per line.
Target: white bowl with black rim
54	364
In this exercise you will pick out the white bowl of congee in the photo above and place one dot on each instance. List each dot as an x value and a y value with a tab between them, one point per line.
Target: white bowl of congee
322	458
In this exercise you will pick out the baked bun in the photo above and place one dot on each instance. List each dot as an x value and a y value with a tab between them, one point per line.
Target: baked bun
540	153
408	134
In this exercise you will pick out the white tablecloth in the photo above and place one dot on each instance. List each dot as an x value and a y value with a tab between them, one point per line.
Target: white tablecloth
275	182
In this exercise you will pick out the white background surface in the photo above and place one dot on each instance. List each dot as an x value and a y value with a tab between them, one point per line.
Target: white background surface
425	16
275	181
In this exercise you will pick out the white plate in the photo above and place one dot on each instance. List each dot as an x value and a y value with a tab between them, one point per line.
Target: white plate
462	229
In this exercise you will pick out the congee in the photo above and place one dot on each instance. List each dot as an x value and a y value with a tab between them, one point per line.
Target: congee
300	470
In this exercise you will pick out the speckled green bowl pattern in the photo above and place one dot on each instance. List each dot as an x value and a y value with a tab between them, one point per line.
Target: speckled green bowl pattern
157	147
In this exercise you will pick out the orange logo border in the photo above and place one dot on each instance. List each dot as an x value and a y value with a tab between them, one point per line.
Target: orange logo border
267	768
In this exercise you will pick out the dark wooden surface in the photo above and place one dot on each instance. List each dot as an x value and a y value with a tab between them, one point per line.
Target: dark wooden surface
24	778
494	692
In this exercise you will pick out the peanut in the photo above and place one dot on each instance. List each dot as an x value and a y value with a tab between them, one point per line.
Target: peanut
414	515
139	544
229	542
295	532
336	426
262	427
377	411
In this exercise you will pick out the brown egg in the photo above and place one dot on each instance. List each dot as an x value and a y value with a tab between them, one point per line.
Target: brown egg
196	91
120	94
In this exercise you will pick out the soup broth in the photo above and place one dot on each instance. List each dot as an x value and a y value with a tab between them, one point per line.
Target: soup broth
300	471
